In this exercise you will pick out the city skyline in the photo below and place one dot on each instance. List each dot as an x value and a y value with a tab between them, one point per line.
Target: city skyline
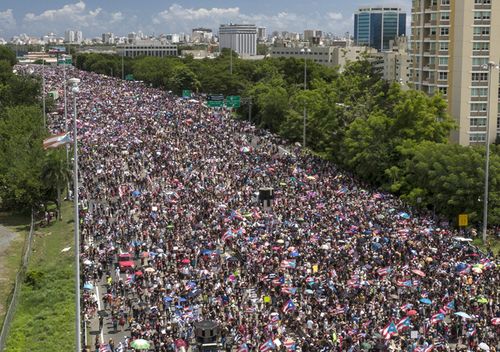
94	17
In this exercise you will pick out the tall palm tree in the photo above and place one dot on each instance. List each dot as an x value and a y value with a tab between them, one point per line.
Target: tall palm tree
55	175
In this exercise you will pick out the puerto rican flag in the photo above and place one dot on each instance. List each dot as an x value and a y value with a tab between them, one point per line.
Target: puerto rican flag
449	306
288	264
290	344
384	271
289	306
437	318
428	348
289	290
267	346
228	235
389	331
406	307
104	348
56	140
404	283
338	311
403	324
243	348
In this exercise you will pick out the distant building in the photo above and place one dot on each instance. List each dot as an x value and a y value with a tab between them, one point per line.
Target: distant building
261	34
313	36
201	35
173	38
376	26
108	38
242	38
394	64
73	37
324	55
147	48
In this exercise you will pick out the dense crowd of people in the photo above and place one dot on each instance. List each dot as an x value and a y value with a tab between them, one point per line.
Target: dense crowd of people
332	265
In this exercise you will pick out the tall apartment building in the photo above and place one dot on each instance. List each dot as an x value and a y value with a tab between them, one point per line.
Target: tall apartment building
377	26
73	37
242	38
451	42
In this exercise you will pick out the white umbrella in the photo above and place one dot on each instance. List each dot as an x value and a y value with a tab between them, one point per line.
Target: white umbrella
484	346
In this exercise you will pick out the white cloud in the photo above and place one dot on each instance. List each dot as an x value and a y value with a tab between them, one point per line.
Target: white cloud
7	20
117	17
335	16
179	18
77	15
180	13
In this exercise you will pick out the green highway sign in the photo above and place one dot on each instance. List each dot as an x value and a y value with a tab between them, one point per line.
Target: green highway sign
215	103
129	77
66	61
233	101
215	97
186	93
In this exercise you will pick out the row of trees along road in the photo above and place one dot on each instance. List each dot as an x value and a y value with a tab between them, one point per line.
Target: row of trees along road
29	176
389	137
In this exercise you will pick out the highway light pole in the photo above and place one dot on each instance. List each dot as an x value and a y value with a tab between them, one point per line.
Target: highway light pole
305	51
43	94
490	66
78	339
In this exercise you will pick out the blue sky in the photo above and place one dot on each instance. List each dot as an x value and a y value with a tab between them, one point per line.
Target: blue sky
93	17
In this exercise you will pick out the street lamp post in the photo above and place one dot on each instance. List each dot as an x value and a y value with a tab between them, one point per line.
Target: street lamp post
74	83
43	94
305	51
490	66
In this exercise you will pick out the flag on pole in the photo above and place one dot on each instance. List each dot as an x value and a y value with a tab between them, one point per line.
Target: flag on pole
389	331
403	324
290	344
104	348
436	318
289	306
56	140
288	264
243	348
267	346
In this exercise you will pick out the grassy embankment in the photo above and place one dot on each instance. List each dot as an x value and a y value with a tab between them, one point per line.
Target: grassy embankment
493	243
45	315
11	257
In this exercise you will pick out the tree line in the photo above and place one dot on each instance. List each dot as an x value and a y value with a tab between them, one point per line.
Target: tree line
390	137
30	177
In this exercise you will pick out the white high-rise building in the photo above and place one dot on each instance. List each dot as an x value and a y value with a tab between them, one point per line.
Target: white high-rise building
262	34
73	37
242	38
451	42
78	37
69	36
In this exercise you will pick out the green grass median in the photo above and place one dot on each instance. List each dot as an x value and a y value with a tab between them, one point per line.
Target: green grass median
45	314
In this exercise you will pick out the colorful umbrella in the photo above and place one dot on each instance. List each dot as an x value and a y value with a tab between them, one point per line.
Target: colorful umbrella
88	286
140	344
482	300
185	261
463	315
425	301
411	312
